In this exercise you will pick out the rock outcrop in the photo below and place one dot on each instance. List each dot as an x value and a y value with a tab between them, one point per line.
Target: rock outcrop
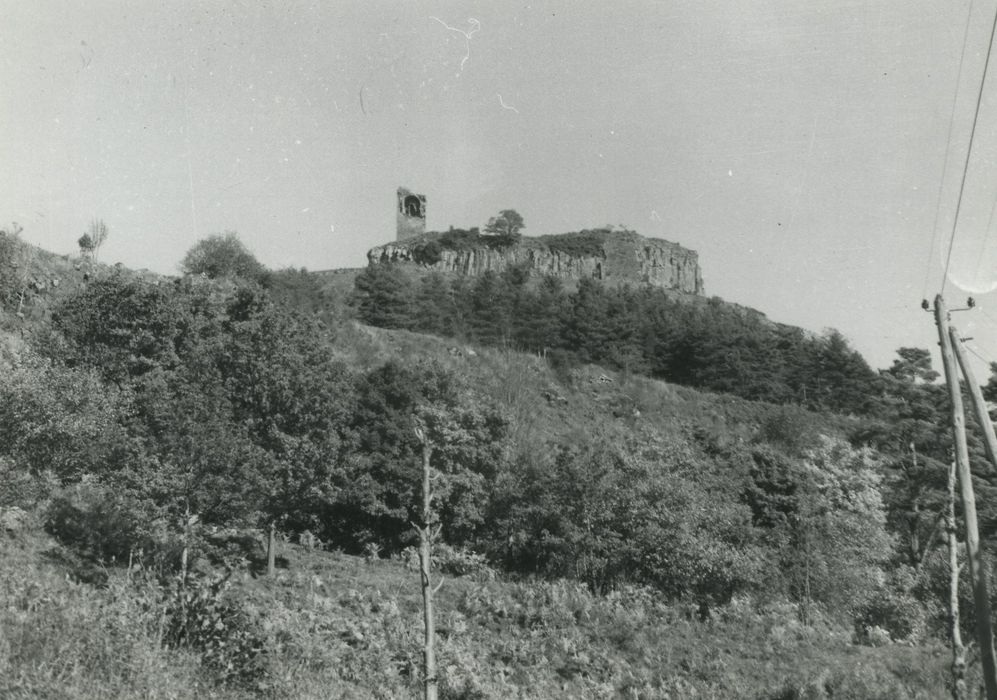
615	257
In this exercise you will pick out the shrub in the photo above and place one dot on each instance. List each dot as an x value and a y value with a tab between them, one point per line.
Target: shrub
107	524
59	420
19	487
427	253
200	616
460	562
895	610
582	244
460	239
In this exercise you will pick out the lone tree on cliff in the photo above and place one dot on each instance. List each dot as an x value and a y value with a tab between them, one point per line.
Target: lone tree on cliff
507	225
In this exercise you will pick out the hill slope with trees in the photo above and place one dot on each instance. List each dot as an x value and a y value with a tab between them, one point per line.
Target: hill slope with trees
156	428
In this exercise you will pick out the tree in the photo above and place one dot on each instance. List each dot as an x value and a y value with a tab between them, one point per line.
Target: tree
432	310
383	296
608	513
587	325
124	327
843	374
303	292
58	420
236	401
540	315
91	241
379	484
491	310
506	226
913	365
825	515
908	427
990	389
223	255
291	395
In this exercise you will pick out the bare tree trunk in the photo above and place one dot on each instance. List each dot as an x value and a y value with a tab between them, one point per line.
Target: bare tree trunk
186	546
425	566
272	549
959	690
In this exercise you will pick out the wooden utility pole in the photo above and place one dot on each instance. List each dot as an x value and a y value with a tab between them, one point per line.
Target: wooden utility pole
425	565
977	573
959	689
979	405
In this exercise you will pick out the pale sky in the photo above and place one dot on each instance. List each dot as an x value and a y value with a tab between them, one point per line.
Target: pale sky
798	145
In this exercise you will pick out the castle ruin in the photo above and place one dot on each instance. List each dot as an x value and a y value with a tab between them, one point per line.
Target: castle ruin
411	214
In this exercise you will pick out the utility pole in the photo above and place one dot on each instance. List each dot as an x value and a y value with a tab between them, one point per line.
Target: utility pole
979	405
977	573
959	689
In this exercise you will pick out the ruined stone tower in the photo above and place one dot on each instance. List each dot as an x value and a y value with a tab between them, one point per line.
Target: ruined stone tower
411	214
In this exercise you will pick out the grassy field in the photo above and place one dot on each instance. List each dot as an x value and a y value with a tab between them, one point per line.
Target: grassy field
329	625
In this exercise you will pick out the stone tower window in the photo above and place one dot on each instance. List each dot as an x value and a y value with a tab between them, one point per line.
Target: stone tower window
412	207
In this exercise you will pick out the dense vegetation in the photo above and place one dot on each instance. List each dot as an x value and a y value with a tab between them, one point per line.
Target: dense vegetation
597	508
502	232
709	345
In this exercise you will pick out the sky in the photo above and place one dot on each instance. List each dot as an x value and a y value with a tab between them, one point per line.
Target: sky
811	151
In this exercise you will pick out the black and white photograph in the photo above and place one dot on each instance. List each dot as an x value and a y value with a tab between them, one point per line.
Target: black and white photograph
422	349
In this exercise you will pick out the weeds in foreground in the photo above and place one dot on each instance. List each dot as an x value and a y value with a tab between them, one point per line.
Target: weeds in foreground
336	626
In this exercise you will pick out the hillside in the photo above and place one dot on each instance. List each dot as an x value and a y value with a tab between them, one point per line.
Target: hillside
602	533
334	625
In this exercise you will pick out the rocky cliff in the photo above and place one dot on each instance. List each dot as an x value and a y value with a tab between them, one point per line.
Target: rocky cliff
615	257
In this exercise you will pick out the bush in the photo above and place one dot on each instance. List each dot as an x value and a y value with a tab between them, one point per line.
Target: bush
427	253
609	514
895	610
19	487
460	239
200	616
59	420
460	562
107	525
582	244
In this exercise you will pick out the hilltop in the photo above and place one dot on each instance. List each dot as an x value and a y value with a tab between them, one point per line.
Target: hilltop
614	257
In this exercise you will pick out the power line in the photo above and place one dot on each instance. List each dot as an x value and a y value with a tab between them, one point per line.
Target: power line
989	361
979	352
985	238
948	149
992	319
969	149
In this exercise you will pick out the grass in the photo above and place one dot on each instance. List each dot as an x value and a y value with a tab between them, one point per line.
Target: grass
581	244
545	403
342	626
586	243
